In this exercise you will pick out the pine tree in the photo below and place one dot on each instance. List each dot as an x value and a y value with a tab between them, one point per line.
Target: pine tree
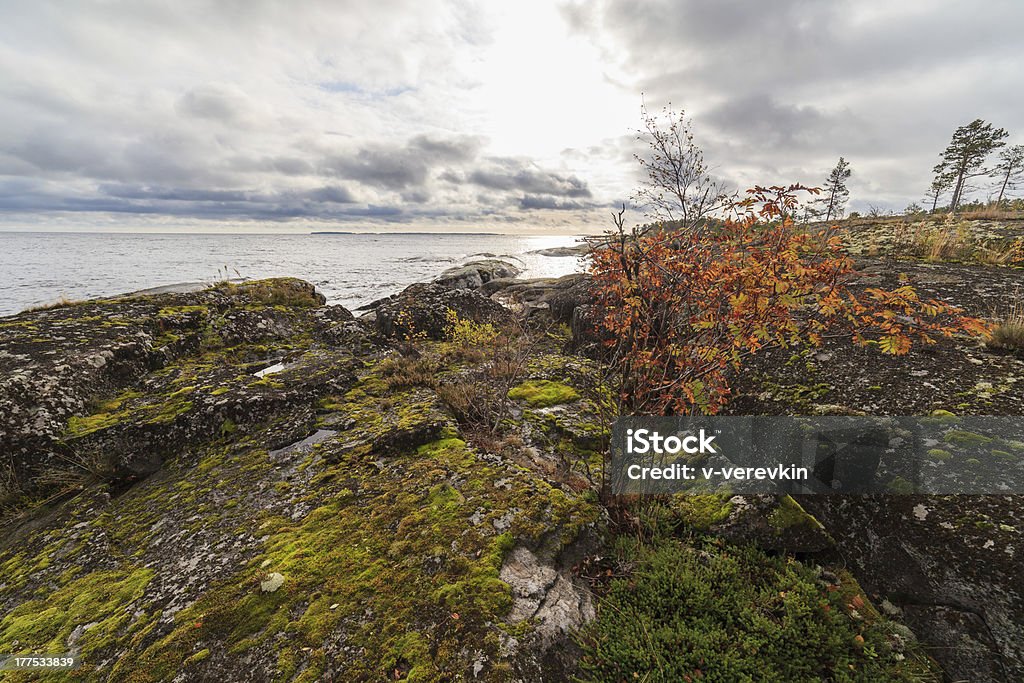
963	157
1009	170
938	188
834	195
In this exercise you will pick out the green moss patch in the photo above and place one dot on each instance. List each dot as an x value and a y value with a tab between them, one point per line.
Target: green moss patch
964	438
790	514
101	600
543	393
701	511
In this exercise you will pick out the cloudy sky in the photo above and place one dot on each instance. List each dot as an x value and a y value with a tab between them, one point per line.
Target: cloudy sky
466	116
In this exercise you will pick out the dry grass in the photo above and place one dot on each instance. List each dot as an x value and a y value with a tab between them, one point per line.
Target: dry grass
474	403
11	489
955	242
1008	334
991	214
78	469
401	372
1010	253
946	243
62	300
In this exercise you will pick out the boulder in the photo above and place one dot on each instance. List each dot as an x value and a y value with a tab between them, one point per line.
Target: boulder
573	291
422	309
474	274
284	499
568	299
559	296
63	362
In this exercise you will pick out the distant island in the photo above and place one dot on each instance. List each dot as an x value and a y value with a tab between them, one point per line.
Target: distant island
344	232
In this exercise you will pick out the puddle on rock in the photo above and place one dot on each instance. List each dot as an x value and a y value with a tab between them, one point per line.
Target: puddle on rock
276	367
305	445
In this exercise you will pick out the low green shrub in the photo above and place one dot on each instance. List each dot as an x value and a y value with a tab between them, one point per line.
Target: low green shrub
708	612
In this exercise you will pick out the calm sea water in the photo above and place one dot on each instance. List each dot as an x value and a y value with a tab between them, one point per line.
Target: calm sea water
40	268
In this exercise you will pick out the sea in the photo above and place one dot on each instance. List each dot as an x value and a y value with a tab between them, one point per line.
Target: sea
39	268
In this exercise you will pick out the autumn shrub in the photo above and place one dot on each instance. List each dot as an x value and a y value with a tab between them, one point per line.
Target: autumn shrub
682	310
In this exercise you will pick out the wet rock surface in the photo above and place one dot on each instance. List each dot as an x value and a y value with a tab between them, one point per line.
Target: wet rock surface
575	250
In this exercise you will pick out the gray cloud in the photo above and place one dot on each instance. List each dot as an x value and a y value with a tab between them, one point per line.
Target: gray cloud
532	201
520	176
401	167
779	90
220	103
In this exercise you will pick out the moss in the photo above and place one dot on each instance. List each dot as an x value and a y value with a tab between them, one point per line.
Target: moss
132	406
444	445
800	396
939	454
941	417
900	485
330	404
106	414
543	393
394	546
963	438
80	426
790	514
701	511
174	311
100	598
228	427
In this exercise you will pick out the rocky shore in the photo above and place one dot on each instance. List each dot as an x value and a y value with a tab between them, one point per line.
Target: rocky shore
243	483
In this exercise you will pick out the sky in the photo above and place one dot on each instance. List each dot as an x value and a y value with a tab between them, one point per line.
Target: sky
408	115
